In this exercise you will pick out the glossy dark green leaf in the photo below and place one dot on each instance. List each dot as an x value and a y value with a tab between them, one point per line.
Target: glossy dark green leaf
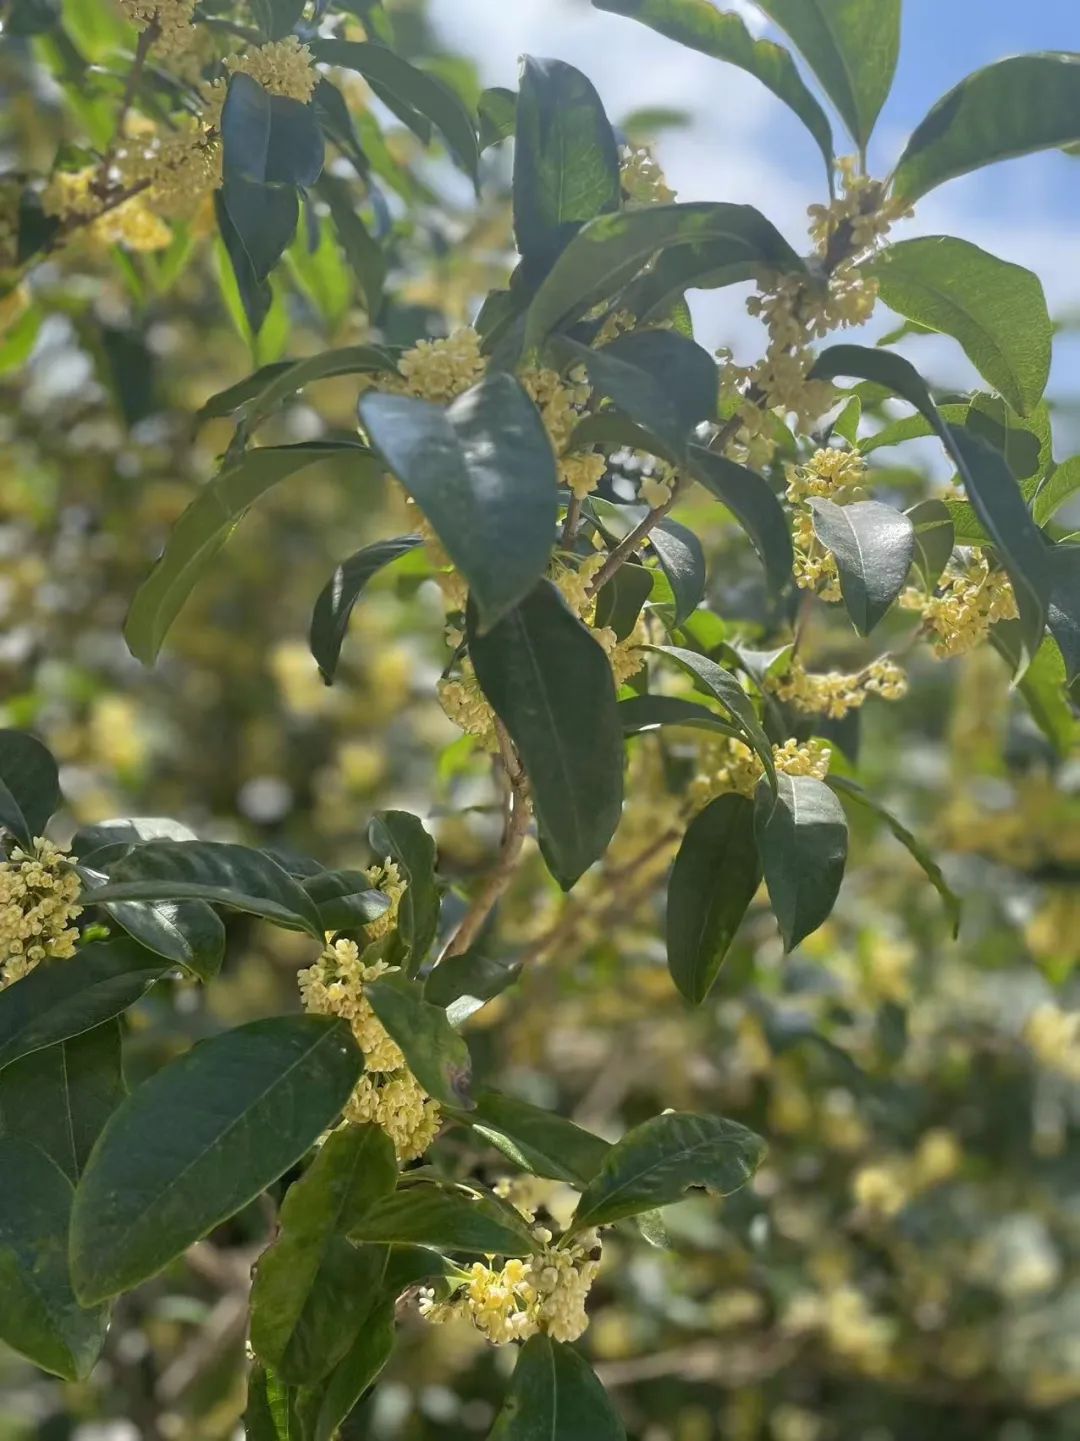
566	162
423	1215
934	539
216	871
554	1395
1064	613
483	472
619	600
538	1141
723	35
59	1098
283	380
204	528
103	842
1013	107
682	559
400	837
646	712
715	876
657	1162
257	222
330	618
433	1050
724	687
915	847
754	506
64	999
382	66
462	984
29	785
297	149
998	503
497	113
189	933
312	1287
345	899
362	250
852	47
551	686
802	839
996	310
39	1314
357	1370
603	254
873	546
200	1139
245	129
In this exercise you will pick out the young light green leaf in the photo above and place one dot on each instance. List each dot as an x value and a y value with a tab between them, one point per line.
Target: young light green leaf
724	36
918	851
54	1003
551	686
715	876
538	1141
433	1050
29	785
355	1372
401	837
802	837
1059	487
425	1215
873	546
313	1288
205	527
724	687
935	536
59	1098
496	110
330	618
555	1396
996	310
199	1140
1013	107
852	47
657	1162
270	1414
483	472
285	381
39	1314
754	506
566	161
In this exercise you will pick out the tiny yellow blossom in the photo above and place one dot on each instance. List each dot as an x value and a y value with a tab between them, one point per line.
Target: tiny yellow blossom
38	899
172	19
284	67
642	179
835	694
969	600
1054	1038
729	765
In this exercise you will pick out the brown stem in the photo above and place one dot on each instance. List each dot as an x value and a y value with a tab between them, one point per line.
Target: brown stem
632	542
573	512
142	50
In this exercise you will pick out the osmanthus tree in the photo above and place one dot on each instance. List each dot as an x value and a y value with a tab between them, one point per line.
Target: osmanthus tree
543	452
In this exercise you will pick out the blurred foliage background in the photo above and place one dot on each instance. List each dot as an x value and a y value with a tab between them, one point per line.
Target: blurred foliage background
907	1264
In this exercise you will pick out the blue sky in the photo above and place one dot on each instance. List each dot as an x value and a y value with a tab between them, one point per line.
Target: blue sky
743	144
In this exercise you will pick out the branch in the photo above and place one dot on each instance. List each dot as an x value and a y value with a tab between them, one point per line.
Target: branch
630	543
142	50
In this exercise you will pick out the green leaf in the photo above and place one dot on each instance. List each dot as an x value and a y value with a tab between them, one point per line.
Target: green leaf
1013	107
682	560
39	1315
802	837
647	712
1060	486
59	1098
283	379
381	66
596	262
538	1141
497	112
362	250
724	687
483	472
715	876
271	1408
852	47
657	1162
58	1001
29	785
994	494
873	546
200	1139
424	1215
330	618
433	1050
257	223
619	600
1064	612
216	871
345	899
914	846
555	1396
401	837
996	310
663	382
566	162
313	1288
189	933
754	506
551	686
724	36
462	984
935	536
204	528
357	1370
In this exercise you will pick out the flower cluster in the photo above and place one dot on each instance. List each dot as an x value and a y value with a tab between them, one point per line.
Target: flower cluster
860	216
466	705
39	895
561	404
78	195
836	475
174	172
970	598
729	765
835	694
884	1188
1054	1038
171	19
284	67
575	586
641	178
